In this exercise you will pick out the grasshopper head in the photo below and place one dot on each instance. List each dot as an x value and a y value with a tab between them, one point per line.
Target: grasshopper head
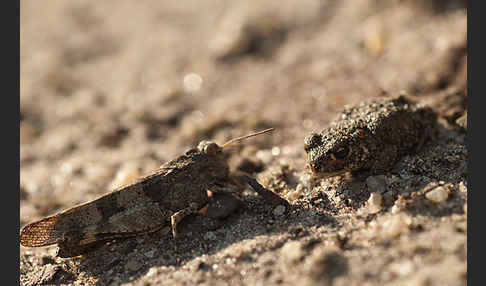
209	148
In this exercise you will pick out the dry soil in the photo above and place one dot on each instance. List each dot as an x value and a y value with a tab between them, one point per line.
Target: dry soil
112	89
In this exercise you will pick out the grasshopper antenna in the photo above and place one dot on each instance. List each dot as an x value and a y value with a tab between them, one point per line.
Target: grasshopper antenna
238	139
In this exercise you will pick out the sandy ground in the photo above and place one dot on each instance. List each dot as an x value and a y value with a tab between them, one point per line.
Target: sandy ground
112	89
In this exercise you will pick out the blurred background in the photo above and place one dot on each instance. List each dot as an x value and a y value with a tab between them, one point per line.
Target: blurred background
109	90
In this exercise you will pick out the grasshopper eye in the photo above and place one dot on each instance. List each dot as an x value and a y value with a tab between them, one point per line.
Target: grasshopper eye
342	153
209	148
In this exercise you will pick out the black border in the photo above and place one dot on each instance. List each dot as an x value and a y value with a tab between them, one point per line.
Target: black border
11	129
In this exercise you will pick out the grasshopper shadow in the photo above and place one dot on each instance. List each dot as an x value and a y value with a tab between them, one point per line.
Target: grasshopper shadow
127	260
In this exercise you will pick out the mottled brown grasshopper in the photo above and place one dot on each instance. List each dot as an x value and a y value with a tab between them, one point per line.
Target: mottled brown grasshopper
178	188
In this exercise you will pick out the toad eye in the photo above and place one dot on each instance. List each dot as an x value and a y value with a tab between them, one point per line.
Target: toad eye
342	152
312	141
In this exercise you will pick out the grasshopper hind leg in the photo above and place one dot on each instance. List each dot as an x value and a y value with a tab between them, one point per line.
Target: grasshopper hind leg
179	215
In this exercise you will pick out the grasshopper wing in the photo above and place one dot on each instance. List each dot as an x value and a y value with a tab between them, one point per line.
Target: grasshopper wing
143	218
40	233
74	241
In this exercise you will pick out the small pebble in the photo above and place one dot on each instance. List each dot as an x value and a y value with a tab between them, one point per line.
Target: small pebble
149	254
279	210
374	203
438	194
192	82
376	183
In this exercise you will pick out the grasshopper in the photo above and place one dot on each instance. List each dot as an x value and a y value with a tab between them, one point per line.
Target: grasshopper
163	198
